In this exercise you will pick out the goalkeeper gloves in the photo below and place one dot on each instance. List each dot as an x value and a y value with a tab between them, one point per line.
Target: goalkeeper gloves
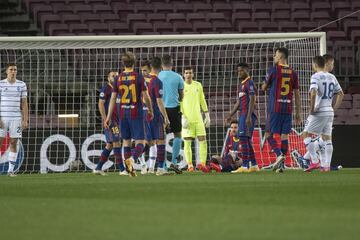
207	119
184	122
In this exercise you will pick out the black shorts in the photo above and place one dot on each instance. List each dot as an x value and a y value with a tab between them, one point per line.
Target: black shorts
174	115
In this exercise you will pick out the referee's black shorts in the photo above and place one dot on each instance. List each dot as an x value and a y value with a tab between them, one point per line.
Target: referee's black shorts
174	115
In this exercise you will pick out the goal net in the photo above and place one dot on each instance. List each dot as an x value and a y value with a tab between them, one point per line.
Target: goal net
64	74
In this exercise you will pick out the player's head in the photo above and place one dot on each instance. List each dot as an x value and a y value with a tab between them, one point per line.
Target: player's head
145	68
329	62
234	127
111	76
188	73
156	64
243	70
128	59
167	62
11	70
318	63
281	55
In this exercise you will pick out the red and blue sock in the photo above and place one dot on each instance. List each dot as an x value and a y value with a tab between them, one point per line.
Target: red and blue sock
160	155
274	145
103	158
137	151
118	159
245	154
127	152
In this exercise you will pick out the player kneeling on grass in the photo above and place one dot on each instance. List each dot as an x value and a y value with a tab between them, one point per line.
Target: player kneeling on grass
323	87
245	104
112	134
231	157
192	121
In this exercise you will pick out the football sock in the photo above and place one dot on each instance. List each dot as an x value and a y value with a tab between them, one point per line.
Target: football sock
274	145
142	159
176	149
284	146
307	155
12	161
188	152
252	158
203	151
137	151
161	155
152	157
118	159
328	152
245	151
103	158
127	152
311	148
321	147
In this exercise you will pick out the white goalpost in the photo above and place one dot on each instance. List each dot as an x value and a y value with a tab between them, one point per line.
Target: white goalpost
64	74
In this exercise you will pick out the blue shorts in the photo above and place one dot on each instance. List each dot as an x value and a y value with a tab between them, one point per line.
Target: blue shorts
278	123
133	128
155	129
112	134
243	129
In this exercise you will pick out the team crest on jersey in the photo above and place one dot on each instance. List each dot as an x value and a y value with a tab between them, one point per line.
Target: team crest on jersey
18	89
102	94
4	152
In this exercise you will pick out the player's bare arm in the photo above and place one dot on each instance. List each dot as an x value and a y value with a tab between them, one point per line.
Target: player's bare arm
101	106
250	111
181	95
147	101
338	100
264	87
163	111
312	100
233	111
297	106
25	113
111	109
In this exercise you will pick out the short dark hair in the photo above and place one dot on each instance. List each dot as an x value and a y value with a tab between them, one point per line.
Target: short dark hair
128	59
10	65
319	61
243	64
284	51
156	63
328	57
234	121
167	60
146	63
188	68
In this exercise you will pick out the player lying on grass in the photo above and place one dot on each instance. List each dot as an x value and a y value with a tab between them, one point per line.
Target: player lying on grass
230	160
112	134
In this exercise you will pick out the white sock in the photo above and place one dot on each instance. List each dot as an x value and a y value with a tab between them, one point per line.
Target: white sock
307	155
328	152
311	148
321	147
12	161
152	156
142	159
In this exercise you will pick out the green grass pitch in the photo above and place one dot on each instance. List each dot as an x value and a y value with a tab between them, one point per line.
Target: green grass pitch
263	205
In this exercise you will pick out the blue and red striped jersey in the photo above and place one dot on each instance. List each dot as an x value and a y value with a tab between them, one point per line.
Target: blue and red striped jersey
281	81
128	86
105	95
231	144
247	89
155	89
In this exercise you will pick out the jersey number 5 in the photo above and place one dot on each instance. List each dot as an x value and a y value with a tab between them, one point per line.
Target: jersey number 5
285	87
126	90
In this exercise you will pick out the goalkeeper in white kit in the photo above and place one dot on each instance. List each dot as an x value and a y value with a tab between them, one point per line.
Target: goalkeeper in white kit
192	120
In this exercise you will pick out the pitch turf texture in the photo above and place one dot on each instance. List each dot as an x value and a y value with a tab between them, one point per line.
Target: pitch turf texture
264	205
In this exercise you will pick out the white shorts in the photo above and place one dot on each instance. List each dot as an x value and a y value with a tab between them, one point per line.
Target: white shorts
13	127
319	124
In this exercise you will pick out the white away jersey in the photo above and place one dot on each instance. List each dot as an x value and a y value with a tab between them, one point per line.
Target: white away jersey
11	95
326	85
